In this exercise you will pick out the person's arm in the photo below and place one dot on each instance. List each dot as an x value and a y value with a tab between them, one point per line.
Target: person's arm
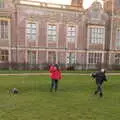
93	75
105	78
60	75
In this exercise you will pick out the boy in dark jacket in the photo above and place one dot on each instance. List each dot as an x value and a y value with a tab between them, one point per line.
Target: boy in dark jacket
100	77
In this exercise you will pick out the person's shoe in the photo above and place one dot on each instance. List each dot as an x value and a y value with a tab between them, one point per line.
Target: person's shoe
50	90
95	92
55	90
101	95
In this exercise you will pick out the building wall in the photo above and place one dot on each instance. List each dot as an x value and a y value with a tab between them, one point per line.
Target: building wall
19	45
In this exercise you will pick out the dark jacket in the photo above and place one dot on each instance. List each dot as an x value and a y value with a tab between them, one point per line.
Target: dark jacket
99	76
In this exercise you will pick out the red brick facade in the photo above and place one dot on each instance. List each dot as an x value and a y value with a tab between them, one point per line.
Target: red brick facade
73	26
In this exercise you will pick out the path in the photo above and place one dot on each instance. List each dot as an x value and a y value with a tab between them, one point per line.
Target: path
25	74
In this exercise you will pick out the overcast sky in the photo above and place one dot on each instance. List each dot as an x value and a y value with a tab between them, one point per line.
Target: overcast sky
86	3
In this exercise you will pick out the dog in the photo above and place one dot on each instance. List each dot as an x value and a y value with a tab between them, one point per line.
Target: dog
14	91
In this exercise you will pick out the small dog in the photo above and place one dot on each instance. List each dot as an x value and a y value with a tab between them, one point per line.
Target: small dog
14	91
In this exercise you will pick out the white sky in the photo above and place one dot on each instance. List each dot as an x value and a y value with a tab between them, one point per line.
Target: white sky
86	3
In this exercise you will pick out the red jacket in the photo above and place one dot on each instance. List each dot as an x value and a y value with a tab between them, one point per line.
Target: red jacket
55	74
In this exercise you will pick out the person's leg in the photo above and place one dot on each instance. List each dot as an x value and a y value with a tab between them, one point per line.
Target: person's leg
56	85
97	89
100	90
52	85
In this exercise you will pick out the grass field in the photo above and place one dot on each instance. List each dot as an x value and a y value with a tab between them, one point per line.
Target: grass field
73	101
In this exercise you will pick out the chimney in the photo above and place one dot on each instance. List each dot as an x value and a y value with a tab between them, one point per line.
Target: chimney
77	3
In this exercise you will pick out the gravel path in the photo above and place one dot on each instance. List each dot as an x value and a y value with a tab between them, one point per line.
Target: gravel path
23	74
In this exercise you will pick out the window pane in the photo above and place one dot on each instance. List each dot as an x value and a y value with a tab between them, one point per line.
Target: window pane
33	25
95	58
96	35
52	33
31	31
31	57
1	3
4	29
71	33
4	55
117	58
118	38
28	25
33	37
70	58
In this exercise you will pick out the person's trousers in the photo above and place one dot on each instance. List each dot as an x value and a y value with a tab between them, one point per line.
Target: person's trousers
54	84
99	89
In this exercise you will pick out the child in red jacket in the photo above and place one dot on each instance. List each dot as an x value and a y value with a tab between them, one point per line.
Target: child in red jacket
55	76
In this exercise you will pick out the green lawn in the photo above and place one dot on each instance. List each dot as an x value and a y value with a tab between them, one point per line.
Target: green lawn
74	100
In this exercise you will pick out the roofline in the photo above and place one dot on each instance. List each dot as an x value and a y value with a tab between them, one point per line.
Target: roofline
48	5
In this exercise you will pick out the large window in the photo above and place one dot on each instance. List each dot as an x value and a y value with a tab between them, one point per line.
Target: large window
32	57
31	31
94	58
1	3
4	55
3	29
71	58
117	58
51	57
118	38
52	33
96	34
71	33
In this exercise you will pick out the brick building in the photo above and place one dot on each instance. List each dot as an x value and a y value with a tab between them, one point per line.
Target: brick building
37	33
